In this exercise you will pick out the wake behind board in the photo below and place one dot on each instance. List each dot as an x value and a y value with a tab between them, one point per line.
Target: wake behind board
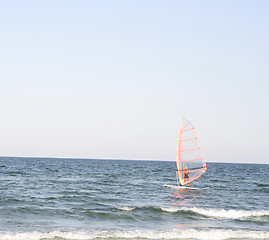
180	187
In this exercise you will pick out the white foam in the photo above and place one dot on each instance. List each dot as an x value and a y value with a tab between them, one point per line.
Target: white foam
220	213
170	209
216	234
230	214
126	208
180	187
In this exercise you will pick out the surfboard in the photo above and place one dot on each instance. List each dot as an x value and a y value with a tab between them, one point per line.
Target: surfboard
191	163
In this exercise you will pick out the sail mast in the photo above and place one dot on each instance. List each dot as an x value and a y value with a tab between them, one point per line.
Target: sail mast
179	160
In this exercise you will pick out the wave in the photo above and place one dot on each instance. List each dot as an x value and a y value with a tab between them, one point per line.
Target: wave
222	213
262	185
127	209
171	209
205	212
216	234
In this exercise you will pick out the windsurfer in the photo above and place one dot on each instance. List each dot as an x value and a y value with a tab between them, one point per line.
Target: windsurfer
186	174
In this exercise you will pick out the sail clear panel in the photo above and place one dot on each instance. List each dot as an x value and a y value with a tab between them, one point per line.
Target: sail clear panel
190	160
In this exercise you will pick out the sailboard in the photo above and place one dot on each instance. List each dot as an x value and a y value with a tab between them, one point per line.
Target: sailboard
191	163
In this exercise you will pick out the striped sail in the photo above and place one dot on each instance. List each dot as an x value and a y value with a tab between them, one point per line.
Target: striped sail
191	164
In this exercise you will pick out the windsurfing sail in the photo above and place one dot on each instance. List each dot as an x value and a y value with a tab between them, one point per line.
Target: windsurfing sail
191	164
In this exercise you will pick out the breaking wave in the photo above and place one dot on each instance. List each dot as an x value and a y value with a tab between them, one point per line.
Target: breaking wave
204	212
216	234
222	213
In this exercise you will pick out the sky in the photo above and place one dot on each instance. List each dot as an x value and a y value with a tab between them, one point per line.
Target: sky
112	79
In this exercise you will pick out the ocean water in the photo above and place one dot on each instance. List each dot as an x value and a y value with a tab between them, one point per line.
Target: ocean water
117	199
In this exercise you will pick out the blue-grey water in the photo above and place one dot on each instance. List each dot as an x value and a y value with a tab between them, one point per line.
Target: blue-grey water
118	199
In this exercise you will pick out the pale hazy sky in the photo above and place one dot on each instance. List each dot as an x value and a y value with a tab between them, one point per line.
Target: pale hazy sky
112	79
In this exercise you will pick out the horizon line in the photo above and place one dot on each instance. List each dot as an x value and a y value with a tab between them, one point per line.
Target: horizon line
121	159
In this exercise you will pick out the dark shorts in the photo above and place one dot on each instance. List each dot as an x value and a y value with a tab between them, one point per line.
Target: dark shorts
186	175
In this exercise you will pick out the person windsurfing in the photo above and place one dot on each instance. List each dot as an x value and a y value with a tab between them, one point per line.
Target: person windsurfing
186	174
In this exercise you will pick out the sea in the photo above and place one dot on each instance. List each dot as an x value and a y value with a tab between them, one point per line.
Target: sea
81	199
